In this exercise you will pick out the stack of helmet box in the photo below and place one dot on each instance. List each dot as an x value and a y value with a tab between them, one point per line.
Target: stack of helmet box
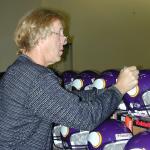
67	80
75	138
134	110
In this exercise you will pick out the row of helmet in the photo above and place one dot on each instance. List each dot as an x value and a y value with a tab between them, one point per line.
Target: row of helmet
136	101
110	135
87	80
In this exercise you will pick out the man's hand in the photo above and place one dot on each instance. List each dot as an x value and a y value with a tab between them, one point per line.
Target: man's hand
127	79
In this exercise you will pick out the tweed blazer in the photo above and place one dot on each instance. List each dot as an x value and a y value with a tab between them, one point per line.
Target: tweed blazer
32	99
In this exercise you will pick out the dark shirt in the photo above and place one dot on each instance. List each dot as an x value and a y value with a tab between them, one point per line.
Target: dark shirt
32	99
1	74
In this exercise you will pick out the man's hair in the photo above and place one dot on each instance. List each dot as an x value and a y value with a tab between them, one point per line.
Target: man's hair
32	27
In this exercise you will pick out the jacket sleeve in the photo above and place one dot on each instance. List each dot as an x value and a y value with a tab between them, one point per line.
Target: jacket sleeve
84	110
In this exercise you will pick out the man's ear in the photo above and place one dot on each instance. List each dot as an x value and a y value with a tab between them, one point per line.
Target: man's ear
40	43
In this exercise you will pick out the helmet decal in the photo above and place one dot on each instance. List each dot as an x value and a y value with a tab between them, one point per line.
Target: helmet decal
64	131
95	139
99	83
134	92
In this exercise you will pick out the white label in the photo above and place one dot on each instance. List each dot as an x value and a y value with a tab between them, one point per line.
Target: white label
123	136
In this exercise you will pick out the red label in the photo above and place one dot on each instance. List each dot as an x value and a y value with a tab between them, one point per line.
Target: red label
142	123
129	122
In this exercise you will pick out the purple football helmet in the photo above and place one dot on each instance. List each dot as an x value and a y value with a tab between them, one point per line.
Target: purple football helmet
84	80
68	77
139	141
106	79
73	138
137	100
111	134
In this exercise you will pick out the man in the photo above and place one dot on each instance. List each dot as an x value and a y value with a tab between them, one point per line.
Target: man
31	97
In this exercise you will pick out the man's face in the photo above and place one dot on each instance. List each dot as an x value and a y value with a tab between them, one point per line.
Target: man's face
52	46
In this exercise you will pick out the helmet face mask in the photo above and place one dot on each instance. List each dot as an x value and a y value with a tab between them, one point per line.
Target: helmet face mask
79	140
116	146
137	100
57	136
73	138
146	100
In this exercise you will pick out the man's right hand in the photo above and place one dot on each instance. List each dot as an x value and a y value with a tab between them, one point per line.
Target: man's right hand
127	79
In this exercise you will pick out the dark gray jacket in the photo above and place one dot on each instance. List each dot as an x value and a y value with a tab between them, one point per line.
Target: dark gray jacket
32	99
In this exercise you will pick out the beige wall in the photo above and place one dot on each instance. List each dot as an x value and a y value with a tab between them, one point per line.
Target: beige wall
10	13
108	33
